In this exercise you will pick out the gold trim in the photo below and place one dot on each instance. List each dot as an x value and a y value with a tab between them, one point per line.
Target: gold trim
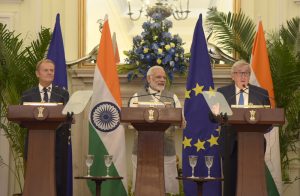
81	29
236	6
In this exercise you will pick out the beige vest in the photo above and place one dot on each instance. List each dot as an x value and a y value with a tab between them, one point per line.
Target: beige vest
169	137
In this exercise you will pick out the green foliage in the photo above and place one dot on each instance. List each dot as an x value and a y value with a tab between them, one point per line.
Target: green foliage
284	50
235	33
17	73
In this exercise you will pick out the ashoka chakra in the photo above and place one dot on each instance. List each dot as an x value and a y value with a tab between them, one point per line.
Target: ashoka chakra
105	116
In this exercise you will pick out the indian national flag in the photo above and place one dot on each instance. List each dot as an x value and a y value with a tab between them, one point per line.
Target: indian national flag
261	76
106	135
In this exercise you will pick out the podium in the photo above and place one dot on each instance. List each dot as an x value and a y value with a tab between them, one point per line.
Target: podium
41	122
150	123
251	124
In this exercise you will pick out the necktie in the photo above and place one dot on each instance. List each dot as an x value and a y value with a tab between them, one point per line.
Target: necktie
241	99
46	98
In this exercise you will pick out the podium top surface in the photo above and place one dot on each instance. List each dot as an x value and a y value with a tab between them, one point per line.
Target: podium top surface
271	116
160	115
32	112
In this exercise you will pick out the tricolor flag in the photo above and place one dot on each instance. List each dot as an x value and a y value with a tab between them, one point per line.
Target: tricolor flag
200	137
106	135
116	49
56	53
261	76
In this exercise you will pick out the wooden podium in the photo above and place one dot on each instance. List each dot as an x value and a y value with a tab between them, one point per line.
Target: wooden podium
251	124
41	122
150	124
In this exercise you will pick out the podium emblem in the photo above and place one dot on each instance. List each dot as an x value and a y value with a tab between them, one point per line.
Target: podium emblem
40	113
105	116
252	116
151	114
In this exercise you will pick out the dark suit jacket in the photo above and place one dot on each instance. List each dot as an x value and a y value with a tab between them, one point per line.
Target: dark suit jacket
257	95
58	95
228	136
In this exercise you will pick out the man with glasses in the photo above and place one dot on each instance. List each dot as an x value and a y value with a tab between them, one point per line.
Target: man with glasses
238	93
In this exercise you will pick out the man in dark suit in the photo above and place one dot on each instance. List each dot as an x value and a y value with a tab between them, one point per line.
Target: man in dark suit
239	93
46	92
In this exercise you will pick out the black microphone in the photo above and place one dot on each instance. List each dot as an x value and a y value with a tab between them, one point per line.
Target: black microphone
240	91
52	92
26	95
172	99
244	91
143	95
262	94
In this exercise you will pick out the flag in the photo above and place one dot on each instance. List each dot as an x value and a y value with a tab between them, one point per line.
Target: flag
116	49
56	53
200	137
106	135
261	76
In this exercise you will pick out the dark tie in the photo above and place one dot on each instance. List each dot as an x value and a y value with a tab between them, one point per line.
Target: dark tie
241	99
46	98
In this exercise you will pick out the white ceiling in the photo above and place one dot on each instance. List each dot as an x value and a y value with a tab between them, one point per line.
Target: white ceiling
125	29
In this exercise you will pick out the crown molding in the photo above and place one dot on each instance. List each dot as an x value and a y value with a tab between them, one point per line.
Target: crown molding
11	1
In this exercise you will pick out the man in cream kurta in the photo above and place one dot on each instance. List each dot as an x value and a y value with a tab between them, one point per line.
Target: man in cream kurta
155	92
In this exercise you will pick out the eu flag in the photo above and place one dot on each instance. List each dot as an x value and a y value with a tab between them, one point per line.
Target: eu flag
200	137
57	54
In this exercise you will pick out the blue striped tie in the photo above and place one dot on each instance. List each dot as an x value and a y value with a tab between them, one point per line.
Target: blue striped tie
241	99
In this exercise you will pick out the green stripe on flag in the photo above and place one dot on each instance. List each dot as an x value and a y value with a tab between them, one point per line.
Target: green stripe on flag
96	148
271	186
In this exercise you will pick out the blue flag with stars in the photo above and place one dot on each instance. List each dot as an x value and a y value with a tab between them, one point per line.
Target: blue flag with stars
56	53
200	137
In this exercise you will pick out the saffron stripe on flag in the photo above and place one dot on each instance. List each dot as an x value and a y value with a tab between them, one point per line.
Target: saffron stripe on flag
261	76
106	135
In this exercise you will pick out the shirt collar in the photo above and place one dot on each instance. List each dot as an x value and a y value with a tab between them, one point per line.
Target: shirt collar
237	89
49	88
151	91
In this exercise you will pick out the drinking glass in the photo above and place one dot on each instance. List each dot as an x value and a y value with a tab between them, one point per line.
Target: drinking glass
209	160
193	162
108	162
89	162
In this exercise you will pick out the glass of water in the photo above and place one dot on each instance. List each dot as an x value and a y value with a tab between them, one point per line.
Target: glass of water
193	162
108	162
89	162
209	160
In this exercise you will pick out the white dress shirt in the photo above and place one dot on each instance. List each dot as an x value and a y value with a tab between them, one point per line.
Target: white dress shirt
49	89
245	94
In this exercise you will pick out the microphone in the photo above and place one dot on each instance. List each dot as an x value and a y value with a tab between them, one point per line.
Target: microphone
58	95
143	95
26	95
172	99
265	95
241	91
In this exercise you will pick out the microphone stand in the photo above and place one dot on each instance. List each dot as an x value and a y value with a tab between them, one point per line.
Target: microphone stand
143	95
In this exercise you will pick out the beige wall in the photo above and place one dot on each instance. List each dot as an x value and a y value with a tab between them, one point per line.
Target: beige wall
27	16
273	13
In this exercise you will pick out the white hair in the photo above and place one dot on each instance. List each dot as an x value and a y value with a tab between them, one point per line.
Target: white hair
150	70
238	64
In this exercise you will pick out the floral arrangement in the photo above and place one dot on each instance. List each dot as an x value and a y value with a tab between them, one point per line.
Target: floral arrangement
156	46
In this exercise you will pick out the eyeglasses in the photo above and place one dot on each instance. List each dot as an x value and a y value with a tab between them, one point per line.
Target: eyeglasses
240	74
